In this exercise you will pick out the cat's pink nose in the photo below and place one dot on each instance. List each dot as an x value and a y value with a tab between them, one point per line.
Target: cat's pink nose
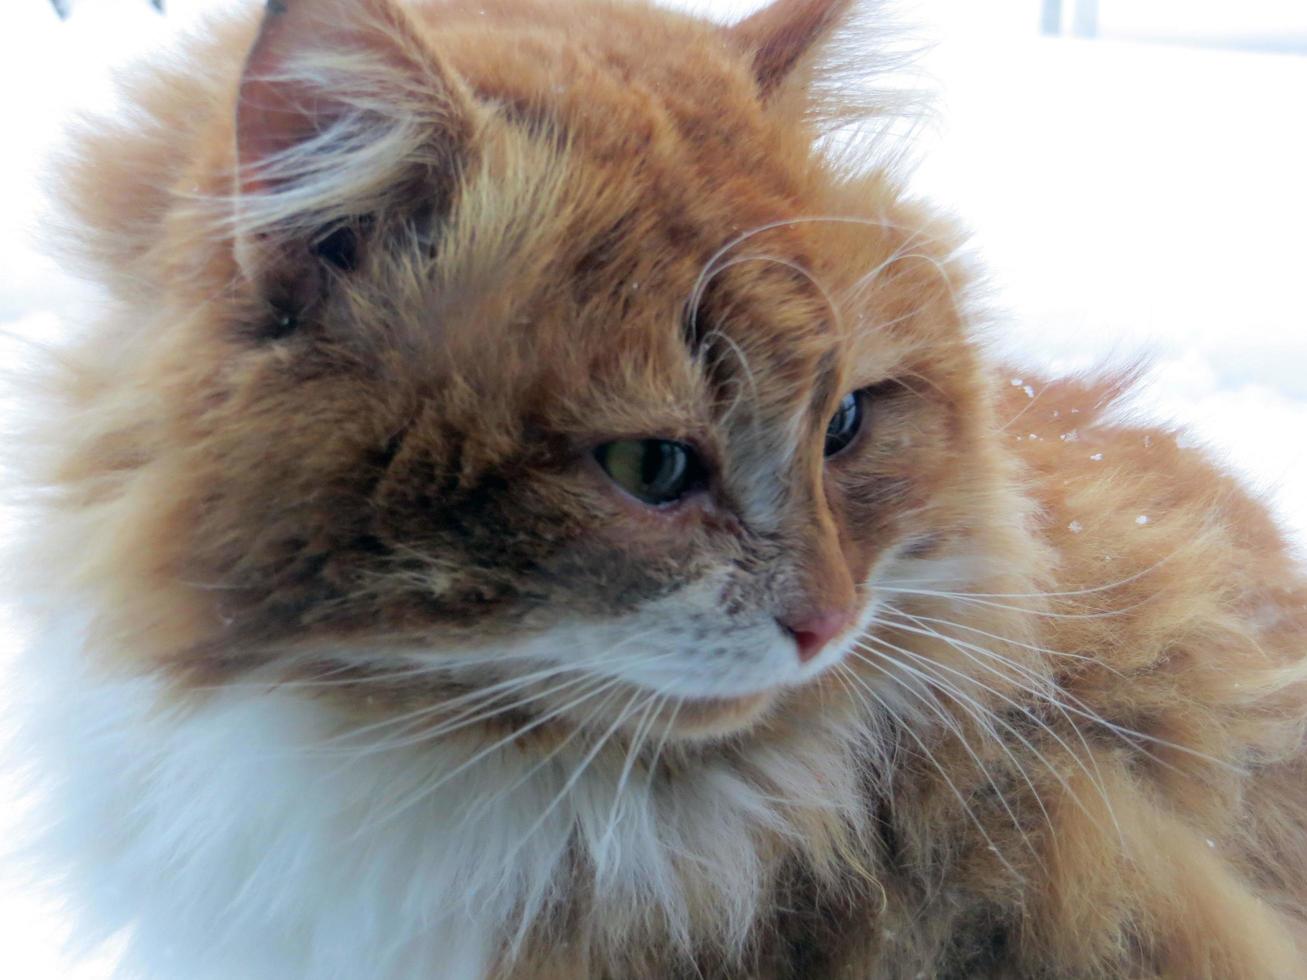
813	631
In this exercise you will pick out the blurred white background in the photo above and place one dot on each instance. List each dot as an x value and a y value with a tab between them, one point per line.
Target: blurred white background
1134	172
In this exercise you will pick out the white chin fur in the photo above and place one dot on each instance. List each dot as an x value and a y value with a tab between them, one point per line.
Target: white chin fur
227	840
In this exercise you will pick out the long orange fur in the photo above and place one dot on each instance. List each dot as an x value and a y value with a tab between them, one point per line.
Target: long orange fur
1123	794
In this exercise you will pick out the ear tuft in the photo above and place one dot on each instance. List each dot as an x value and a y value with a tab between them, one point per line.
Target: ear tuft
782	34
343	107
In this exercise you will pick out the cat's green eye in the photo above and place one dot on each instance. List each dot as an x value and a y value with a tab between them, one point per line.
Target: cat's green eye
657	471
844	424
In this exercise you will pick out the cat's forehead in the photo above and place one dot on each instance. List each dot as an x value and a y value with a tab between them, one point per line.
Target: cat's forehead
672	263
674	120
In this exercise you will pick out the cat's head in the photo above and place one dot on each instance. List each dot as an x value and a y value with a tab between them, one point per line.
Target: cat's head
530	347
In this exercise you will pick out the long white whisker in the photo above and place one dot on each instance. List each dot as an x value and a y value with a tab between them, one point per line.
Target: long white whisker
907	729
427	788
578	772
931	668
540	764
424	736
477	700
1100	785
480	697
978	713
1106	587
1008	640
1042	688
633	751
1078	707
1049	614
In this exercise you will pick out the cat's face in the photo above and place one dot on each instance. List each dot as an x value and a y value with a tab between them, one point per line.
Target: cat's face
619	402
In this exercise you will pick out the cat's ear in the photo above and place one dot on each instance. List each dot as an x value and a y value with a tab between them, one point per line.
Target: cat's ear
343	110
781	36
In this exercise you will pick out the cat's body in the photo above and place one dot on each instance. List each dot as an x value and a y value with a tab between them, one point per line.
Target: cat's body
992	687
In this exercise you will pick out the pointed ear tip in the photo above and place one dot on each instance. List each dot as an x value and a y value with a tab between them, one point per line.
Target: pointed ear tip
793	15
780	34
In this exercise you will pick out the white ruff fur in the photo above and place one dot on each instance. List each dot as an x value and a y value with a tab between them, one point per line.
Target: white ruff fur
233	839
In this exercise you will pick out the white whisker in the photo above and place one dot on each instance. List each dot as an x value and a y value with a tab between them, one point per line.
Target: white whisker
931	667
907	729
977	713
429	787
1044	688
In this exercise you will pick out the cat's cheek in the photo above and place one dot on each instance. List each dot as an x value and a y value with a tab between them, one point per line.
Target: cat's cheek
867	507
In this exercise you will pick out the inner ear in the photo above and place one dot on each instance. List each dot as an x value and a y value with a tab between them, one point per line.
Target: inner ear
331	80
338	247
347	121
780	36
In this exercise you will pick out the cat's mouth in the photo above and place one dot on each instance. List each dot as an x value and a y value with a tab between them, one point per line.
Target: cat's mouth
649	707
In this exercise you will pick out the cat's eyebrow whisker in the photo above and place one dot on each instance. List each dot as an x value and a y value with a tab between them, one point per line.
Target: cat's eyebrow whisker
697	297
868	278
743	359
966	807
840	219
902	256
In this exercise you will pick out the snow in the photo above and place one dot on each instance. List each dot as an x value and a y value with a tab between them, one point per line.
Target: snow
1141	203
1131	201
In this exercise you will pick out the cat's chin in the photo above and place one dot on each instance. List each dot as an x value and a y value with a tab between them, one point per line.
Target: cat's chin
705	718
675	719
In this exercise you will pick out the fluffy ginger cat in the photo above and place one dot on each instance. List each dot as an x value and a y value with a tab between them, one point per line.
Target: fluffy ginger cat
532	509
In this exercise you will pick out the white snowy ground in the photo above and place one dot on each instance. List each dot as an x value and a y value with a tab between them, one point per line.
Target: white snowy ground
1128	199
